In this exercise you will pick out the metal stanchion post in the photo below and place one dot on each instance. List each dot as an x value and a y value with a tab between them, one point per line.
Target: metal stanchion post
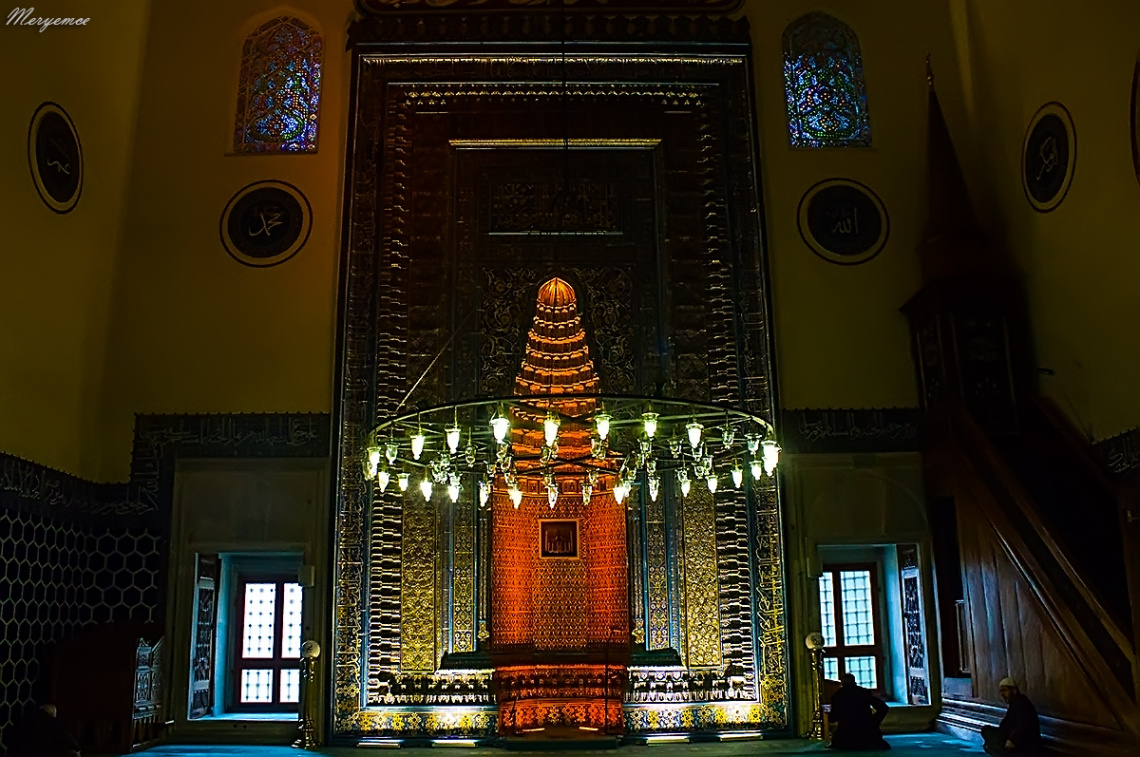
310	651
814	642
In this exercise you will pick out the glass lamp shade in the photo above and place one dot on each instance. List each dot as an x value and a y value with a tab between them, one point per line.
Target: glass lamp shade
500	427
685	482
712	483
602	424
516	496
373	464
550	428
771	456
425	487
453	439
418	440
403	480
383	478
649	423
694	430
737	476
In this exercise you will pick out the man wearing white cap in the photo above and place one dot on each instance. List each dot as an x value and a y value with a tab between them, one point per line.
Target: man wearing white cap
1020	730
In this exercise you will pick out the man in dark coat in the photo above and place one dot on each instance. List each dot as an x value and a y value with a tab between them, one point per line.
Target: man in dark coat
856	714
1020	730
39	734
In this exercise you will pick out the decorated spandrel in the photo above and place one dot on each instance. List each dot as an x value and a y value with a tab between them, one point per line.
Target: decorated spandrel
280	88
823	79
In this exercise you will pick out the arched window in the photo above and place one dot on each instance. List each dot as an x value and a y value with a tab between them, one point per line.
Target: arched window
823	75
279	89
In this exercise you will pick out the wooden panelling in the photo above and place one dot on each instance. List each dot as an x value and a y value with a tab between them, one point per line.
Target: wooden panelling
1012	635
1021	623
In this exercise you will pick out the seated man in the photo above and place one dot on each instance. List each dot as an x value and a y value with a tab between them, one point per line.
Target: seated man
856	714
1020	730
40	734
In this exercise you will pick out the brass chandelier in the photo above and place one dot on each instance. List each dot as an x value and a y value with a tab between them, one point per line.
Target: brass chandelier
531	445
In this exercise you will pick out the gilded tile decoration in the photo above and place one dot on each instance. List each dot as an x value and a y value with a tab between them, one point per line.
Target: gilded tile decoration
419	611
657	575
768	598
702	612
636	580
463	578
683	314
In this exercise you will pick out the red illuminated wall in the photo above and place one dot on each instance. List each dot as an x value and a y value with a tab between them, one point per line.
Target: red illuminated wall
560	625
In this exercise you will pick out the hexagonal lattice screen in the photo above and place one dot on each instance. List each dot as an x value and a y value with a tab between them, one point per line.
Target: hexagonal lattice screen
57	577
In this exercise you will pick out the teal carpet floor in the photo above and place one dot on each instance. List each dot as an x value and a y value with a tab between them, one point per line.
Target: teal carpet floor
920	745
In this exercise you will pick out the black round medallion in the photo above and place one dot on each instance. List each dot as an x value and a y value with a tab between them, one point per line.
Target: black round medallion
55	157
266	223
843	221
1049	157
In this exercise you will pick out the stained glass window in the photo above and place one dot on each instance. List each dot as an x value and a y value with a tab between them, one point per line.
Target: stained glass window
279	90
823	78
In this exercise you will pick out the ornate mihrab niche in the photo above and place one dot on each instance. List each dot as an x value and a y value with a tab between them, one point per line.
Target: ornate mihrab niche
627	182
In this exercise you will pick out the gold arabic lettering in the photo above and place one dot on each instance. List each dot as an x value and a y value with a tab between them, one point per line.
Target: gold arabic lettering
270	219
1049	157
848	222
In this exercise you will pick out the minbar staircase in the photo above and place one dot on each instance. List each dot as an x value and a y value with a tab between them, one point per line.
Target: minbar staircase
1048	553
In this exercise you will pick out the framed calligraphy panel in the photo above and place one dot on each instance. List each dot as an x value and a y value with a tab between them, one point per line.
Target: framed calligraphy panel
55	157
843	221
1049	157
266	223
558	539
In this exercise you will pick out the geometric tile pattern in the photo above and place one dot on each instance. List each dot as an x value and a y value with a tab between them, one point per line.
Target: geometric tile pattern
75	553
57	577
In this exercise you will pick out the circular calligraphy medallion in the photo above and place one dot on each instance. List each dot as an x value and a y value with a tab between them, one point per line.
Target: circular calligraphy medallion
266	223
843	221
1049	157
55	157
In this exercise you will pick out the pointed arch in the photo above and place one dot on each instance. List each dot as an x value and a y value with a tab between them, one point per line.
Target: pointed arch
823	79
279	88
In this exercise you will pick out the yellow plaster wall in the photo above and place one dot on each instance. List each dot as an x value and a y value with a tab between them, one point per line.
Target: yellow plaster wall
840	339
56	270
130	304
193	329
1081	260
